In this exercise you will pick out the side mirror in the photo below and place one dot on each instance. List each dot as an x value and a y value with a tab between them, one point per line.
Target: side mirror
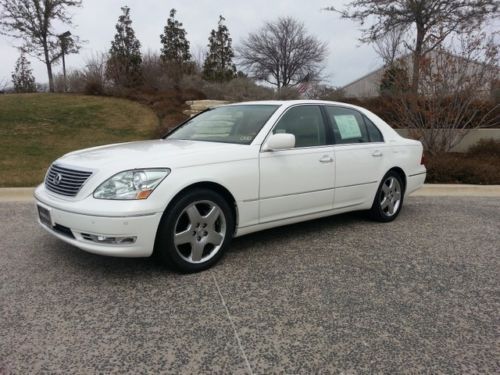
279	141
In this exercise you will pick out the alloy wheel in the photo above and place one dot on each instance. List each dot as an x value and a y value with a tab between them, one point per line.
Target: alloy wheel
200	231
390	196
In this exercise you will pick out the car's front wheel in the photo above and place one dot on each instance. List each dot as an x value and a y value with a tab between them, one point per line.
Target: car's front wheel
389	198
195	231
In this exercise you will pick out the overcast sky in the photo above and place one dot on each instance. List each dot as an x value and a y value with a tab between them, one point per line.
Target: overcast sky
95	22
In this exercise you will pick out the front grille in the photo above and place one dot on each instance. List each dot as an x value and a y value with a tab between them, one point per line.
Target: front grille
65	181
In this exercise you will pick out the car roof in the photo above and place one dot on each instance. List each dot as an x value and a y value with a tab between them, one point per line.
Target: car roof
386	129
288	103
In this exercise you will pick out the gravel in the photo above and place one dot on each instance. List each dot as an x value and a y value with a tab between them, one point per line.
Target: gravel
336	295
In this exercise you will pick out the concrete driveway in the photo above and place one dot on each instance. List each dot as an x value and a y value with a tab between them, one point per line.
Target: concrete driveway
337	295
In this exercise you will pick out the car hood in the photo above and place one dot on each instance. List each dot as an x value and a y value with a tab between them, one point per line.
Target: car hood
155	154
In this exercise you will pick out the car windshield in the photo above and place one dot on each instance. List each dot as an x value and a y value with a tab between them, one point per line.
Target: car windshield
230	124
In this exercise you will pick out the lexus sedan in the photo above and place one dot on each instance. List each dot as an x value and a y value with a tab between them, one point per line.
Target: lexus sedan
227	172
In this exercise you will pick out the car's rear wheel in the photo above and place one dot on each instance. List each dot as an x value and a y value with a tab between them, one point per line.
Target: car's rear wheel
389	198
195	231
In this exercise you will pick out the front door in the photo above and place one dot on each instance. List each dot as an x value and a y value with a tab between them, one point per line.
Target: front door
298	181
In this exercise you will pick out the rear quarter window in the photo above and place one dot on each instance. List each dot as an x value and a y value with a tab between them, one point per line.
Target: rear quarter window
373	131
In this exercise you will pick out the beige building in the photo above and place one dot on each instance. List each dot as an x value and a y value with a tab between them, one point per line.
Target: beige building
451	68
367	86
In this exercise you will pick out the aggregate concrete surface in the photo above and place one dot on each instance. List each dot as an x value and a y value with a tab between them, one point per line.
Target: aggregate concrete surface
336	295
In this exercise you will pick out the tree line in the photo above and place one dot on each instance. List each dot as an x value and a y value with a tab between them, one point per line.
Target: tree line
281	53
437	57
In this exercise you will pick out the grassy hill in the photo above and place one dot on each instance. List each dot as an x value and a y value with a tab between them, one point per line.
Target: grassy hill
35	129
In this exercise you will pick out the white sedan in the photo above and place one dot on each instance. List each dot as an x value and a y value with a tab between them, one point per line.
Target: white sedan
229	171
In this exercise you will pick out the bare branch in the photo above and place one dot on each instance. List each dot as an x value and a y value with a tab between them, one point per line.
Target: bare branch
391	46
282	53
31	22
456	85
432	20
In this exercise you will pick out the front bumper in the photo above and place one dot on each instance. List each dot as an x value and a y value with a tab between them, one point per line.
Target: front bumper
75	228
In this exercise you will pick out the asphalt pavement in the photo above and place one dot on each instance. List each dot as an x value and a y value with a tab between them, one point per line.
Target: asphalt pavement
336	295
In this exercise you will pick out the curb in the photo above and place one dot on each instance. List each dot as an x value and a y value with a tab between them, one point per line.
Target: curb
25	194
17	194
450	190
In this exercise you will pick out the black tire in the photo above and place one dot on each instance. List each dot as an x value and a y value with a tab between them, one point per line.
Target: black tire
386	197
177	222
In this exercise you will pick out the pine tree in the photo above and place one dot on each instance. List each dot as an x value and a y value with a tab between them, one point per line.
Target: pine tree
218	65
175	45
22	77
394	80
124	63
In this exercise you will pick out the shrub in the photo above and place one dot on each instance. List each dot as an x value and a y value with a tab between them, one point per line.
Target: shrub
485	148
325	92
238	89
287	93
94	75
467	168
154	74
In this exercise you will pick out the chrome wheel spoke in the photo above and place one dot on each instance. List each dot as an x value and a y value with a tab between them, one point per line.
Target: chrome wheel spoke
391	184
183	237
212	215
215	238
390	207
385	188
384	203
193	214
197	250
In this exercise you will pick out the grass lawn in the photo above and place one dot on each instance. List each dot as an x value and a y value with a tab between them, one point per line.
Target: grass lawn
35	129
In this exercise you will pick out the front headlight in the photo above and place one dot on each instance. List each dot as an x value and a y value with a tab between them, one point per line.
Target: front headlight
134	184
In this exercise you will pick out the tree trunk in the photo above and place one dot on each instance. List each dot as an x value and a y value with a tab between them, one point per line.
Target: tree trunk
417	57
48	64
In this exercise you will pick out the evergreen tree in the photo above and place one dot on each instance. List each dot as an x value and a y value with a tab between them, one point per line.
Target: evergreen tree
394	80
218	65
124	63
175	45
22	77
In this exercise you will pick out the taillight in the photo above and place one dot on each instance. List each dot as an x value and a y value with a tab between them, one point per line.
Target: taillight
423	160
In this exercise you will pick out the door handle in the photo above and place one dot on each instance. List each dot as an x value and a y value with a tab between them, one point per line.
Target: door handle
377	154
326	159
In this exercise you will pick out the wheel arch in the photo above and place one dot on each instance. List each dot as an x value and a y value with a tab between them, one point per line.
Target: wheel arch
401	174
214	186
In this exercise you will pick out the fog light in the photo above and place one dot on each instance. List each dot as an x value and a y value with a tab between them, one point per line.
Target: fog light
98	238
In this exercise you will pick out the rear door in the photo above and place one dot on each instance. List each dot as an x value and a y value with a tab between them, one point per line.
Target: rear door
359	154
298	181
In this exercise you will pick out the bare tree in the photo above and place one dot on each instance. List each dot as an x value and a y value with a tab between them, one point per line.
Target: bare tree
456	85
31	21
432	20
391	45
4	84
283	54
95	74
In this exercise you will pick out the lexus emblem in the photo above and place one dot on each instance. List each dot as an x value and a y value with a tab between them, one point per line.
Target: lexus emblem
57	179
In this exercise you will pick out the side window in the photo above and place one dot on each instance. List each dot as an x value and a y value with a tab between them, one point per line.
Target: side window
373	132
306	123
347	125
